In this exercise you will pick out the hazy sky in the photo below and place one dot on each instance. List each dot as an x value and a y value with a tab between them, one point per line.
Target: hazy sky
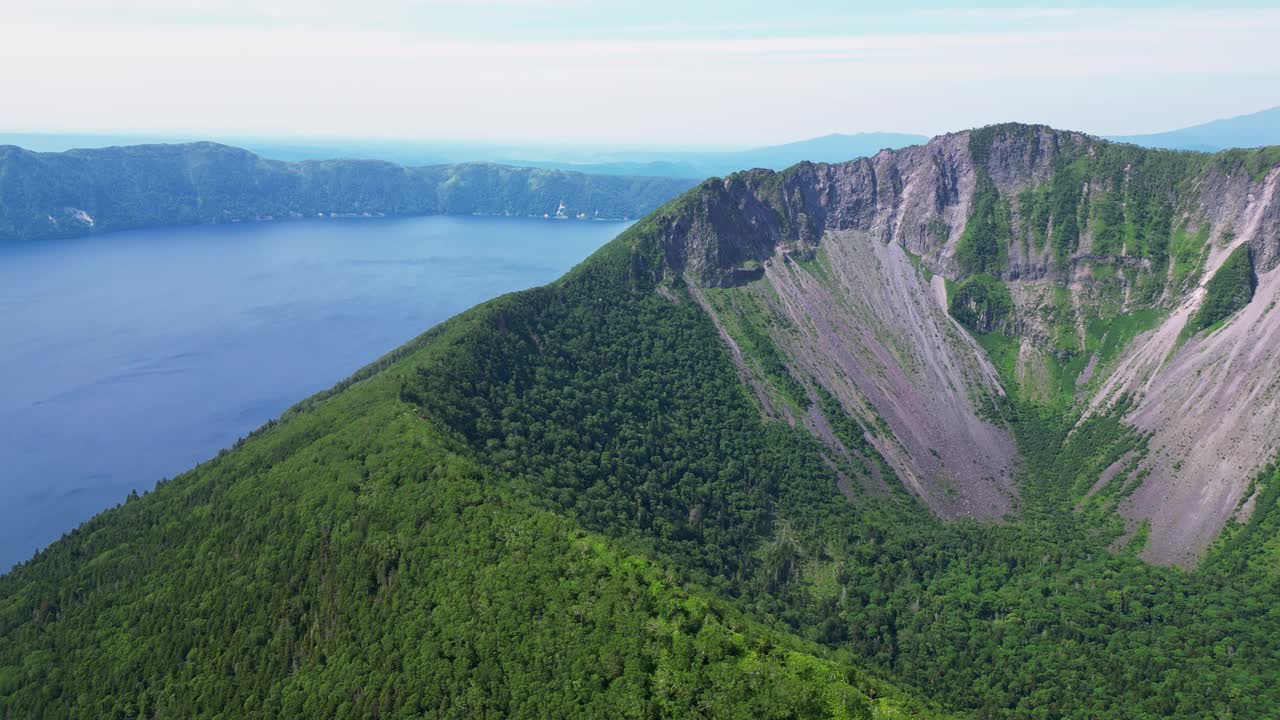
673	72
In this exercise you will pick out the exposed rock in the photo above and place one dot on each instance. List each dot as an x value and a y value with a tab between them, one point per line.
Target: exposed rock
1213	408
824	248
868	328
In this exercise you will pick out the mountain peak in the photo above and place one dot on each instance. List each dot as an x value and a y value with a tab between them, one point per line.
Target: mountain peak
740	220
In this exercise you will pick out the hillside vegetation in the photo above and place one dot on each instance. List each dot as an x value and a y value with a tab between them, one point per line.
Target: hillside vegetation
1084	272
358	559
651	490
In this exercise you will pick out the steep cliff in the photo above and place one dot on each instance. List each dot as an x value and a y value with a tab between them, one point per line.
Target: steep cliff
81	192
1098	255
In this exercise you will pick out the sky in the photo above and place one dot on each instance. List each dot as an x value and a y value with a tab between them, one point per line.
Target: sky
671	73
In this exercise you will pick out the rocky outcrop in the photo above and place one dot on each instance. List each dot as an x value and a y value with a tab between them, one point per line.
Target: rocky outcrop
864	324
1211	401
1085	232
823	249
918	197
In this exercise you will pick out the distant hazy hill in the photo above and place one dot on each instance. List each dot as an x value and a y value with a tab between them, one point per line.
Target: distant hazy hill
46	195
648	163
1253	130
696	164
1246	131
828	148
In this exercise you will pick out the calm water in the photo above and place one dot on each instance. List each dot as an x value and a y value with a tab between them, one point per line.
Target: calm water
130	357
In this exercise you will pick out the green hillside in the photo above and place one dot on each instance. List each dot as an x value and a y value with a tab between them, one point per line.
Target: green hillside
353	561
567	502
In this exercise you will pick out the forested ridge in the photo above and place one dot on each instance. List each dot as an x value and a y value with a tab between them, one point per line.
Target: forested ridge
618	405
566	502
79	192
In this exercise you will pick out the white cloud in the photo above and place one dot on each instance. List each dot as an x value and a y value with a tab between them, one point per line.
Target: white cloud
1109	71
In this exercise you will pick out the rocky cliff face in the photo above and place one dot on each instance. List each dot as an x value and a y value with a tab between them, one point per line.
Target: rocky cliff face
1105	250
1211	399
81	192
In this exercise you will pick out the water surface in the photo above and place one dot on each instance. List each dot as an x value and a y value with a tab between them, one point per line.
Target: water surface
130	357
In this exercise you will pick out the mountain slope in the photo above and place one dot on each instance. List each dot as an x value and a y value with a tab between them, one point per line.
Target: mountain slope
351	561
79	192
1090	243
853	315
715	397
1244	131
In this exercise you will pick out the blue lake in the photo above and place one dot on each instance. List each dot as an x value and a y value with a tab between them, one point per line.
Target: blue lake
130	357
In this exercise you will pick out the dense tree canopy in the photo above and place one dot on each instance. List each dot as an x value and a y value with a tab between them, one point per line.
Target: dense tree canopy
1230	289
565	503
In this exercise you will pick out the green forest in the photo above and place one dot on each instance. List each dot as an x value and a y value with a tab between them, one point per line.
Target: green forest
564	503
1230	289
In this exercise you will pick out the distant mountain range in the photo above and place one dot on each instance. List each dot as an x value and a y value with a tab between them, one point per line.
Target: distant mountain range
1253	130
79	192
1245	131
828	148
596	161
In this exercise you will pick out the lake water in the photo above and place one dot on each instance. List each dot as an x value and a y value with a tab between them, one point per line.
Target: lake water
130	357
